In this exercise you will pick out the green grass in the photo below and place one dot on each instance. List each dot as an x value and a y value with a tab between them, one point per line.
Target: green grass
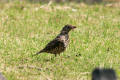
26	28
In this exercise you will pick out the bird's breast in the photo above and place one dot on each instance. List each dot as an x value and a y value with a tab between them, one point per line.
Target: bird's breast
65	39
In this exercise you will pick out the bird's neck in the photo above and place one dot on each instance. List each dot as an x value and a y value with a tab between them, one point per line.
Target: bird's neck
64	32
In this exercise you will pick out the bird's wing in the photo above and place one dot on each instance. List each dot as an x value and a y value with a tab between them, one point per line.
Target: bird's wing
54	45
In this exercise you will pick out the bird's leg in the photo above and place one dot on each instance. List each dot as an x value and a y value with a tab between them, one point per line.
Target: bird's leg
55	55
59	54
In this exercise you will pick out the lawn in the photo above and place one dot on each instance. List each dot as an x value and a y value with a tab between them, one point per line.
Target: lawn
25	28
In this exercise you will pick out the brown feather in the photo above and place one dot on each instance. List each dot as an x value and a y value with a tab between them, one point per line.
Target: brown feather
59	44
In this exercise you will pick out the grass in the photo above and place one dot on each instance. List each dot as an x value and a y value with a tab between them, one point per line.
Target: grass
26	28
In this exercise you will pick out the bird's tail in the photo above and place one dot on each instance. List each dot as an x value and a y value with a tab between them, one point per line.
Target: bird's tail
38	52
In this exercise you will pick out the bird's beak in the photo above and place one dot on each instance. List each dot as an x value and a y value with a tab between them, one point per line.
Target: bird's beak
73	27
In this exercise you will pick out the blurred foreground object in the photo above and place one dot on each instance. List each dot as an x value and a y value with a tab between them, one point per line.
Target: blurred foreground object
2	77
103	74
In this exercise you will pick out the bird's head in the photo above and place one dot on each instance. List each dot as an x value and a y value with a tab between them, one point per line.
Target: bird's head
67	28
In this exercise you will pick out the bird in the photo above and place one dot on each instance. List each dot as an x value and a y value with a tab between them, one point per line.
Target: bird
104	74
59	43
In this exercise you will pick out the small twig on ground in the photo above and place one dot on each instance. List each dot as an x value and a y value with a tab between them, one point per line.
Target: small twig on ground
30	67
